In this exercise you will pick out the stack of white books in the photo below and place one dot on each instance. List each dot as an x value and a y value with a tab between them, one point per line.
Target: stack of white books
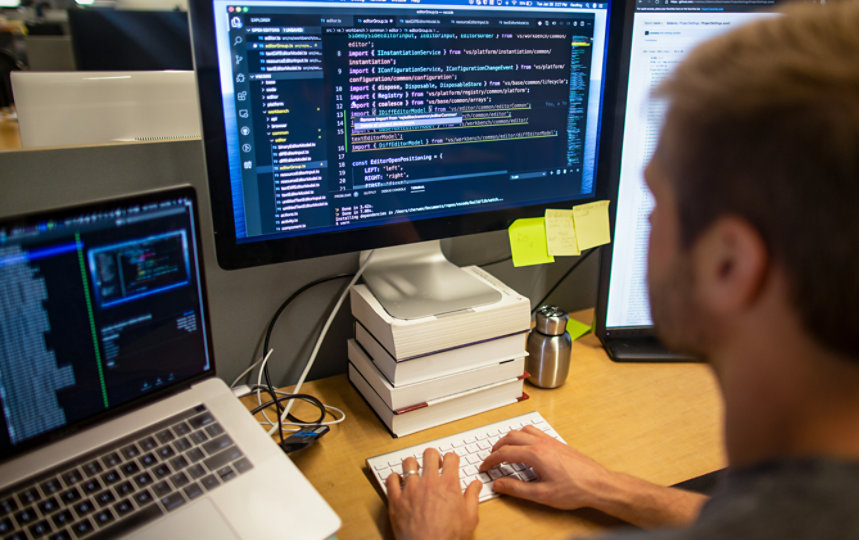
420	373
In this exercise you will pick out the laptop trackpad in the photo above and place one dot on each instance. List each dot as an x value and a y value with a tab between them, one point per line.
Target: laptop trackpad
200	520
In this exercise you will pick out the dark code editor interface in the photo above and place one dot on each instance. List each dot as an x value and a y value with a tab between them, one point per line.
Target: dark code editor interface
353	118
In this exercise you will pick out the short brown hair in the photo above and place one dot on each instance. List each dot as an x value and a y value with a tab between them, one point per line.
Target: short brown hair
767	122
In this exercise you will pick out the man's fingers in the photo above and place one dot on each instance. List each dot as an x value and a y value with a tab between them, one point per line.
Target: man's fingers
517	488
515	438
508	454
432	460
472	492
450	465
393	485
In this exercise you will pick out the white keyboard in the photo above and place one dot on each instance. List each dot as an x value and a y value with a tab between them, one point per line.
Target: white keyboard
472	446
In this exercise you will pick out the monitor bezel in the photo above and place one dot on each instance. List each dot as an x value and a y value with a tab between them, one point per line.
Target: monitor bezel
232	254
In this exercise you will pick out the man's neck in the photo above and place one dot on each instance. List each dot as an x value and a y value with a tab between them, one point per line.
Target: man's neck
787	396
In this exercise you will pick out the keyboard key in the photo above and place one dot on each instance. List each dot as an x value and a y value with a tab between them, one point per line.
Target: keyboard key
103	517
182	444
243	465
70	495
210	482
161	489
60	535
178	463
148	460
25	516
142	480
219	460
72	477
192	491
111	460
143	498
92	468
165	436
194	455
49	505
226	473
5	526
40	528
166	452
105	497
179	480
62	518
201	420
82	528
124	489
216	445
129	469
7	506
214	430
181	429
130	522
148	443
123	507
28	496
91	486
84	507
198	437
161	471
173	501
110	477
196	471
130	451
50	487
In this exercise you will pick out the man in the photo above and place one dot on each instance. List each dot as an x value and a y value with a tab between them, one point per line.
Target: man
753	265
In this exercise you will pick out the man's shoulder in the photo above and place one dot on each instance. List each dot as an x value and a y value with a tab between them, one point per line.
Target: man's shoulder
799	498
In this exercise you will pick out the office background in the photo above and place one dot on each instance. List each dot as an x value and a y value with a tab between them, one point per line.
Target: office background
241	302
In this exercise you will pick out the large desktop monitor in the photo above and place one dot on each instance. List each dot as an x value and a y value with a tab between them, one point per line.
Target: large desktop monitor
657	36
106	39
333	126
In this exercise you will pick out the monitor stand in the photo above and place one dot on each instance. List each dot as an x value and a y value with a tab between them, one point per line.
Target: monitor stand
416	280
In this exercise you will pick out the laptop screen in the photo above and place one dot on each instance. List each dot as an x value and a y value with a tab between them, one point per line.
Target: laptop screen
100	306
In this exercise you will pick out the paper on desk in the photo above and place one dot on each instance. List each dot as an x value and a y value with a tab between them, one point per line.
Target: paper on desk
528	242
591	223
577	329
561	232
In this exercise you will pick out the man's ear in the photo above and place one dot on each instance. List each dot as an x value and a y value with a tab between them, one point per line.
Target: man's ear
731	263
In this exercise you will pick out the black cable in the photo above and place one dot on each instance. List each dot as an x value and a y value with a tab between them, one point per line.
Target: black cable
304	397
268	333
561	280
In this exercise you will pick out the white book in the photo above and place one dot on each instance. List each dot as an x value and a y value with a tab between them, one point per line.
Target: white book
438	364
425	393
406	338
442	412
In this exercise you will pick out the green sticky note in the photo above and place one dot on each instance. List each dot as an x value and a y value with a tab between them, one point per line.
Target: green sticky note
591	222
528	242
560	232
577	329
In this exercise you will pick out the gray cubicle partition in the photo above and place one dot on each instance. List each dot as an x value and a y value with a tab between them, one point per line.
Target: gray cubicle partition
242	301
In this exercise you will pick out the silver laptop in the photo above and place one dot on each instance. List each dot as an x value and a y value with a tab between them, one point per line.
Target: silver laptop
113	422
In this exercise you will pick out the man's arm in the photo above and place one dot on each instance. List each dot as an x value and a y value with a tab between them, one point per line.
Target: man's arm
567	479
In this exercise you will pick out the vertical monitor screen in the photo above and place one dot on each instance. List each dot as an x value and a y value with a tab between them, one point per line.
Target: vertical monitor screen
661	35
340	116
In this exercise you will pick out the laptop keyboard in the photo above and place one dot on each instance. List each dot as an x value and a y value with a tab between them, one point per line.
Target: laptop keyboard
115	489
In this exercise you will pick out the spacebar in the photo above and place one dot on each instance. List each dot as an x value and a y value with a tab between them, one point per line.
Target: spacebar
129	522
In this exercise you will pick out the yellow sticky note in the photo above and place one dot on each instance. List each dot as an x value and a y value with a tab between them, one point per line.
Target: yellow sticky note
528	242
577	329
561	233
591	222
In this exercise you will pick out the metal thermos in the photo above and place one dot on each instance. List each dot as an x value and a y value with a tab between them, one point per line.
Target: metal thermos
549	348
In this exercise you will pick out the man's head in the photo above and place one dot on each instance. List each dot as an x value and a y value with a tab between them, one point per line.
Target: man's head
762	128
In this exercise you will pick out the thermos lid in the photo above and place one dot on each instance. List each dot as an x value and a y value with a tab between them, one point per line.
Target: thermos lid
551	320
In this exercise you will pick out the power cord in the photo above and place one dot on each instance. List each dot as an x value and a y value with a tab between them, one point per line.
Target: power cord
582	259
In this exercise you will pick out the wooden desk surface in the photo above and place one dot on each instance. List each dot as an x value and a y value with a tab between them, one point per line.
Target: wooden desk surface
9	135
657	421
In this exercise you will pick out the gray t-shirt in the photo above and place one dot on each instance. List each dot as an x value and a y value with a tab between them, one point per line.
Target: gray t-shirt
784	500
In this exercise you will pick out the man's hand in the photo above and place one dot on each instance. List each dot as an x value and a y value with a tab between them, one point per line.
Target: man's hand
431	504
567	479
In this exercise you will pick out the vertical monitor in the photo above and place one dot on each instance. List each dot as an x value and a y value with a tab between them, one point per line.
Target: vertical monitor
333	126
657	37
